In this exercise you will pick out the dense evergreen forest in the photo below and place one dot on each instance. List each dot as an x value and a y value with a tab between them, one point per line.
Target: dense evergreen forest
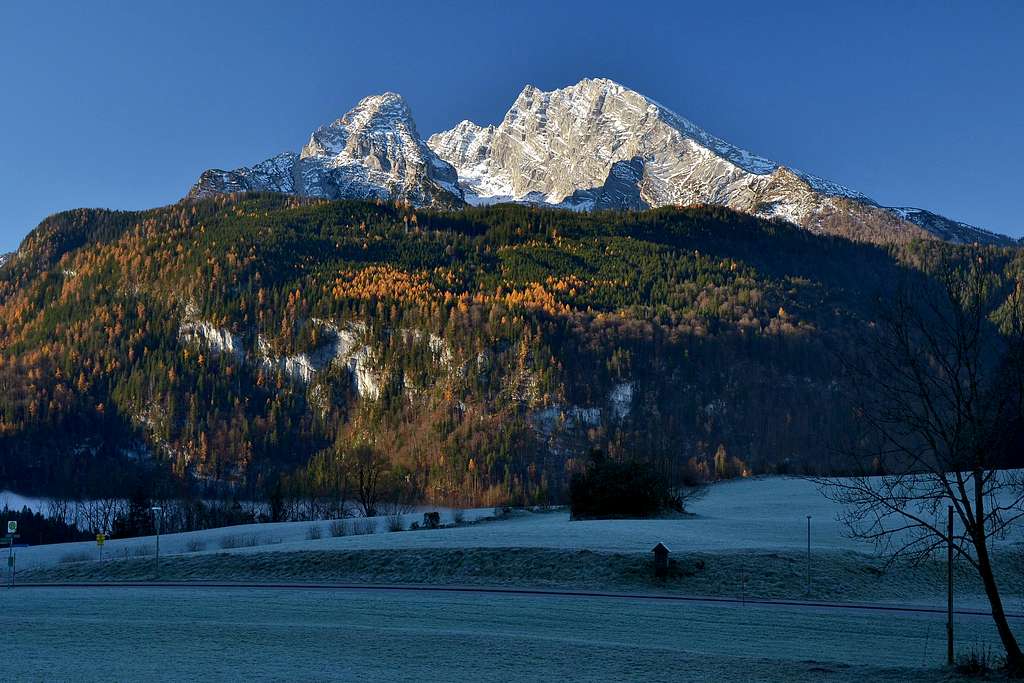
260	344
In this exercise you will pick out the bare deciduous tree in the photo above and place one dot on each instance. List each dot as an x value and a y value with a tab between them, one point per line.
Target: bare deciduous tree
367	470
939	389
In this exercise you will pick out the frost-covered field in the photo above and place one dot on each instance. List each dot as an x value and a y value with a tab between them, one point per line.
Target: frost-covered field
155	634
746	538
767	514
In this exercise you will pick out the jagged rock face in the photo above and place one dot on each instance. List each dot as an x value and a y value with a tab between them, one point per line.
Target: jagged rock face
275	175
558	143
372	152
598	145
948	229
4	258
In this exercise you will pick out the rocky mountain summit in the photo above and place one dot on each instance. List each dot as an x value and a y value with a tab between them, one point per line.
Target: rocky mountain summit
594	145
597	145
4	258
372	152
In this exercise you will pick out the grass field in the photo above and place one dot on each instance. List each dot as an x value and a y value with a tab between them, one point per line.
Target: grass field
155	634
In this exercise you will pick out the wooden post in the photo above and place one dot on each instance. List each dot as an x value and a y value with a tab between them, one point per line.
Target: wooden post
660	560
949	589
808	555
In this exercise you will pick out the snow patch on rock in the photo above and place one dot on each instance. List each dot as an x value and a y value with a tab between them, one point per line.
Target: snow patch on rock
621	400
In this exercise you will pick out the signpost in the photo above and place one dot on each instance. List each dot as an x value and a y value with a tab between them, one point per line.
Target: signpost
157	510
12	528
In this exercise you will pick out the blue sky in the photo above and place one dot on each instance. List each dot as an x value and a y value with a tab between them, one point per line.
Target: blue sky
122	106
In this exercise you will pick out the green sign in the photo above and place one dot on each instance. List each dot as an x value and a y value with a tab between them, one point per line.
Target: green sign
12	527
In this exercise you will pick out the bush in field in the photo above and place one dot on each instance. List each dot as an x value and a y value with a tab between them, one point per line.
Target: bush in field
239	541
338	528
458	516
395	522
978	662
313	532
195	545
611	488
366	525
77	556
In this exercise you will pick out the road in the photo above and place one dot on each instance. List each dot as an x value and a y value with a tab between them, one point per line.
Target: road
299	632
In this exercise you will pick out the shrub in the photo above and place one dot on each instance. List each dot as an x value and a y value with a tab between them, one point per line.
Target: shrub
395	522
195	545
610	489
458	516
338	528
364	526
977	662
313	532
239	541
77	556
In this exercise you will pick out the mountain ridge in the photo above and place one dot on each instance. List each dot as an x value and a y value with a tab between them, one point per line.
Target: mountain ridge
595	145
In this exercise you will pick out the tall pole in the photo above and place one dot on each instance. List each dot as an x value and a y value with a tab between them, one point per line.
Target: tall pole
156	514
808	554
949	588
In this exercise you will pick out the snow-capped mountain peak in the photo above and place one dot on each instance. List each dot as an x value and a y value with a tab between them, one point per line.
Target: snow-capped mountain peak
372	152
592	145
598	144
386	114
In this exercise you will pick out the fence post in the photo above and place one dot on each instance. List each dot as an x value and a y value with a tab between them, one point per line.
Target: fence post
808	555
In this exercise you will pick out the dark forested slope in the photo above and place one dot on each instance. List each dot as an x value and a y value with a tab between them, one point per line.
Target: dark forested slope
248	340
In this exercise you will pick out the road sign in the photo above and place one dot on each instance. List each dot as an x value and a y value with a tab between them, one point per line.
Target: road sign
99	539
12	527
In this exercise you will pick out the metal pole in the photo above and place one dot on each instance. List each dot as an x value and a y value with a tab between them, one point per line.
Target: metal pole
949	589
157	511
10	561
808	554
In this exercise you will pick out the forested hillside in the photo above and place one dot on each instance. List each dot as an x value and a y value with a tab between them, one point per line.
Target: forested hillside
261	342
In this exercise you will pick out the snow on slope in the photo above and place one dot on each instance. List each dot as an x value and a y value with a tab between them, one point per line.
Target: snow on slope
566	147
372	152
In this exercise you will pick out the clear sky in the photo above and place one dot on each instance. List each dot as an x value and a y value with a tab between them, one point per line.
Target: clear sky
122	105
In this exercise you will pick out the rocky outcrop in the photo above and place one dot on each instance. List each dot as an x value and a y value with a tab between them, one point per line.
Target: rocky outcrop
342	347
217	339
